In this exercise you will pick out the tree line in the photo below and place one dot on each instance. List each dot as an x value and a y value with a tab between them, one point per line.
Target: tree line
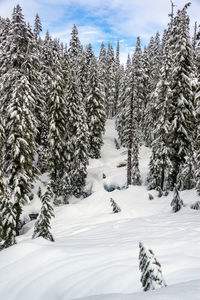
159	106
54	101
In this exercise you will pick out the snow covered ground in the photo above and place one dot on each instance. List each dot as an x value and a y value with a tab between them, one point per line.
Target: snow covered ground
95	256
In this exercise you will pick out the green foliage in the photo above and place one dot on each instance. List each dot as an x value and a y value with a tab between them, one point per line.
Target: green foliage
177	202
151	277
7	219
42	225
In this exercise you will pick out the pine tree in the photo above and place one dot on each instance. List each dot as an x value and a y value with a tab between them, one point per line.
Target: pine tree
117	78
197	107
76	145
196	205
151	277
95	111
160	163
146	116
110	82
4	48
102	65
177	202
47	77
42	225
75	50
122	104
134	97
181	132
152	61
37	26
89	54
7	218
21	92
115	207
82	75
57	122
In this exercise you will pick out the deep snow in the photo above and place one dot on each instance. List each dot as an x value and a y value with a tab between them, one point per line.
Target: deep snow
96	251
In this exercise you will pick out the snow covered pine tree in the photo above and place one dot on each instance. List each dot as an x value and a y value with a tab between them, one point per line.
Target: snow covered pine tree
42	225
151	277
7	219
176	203
116	208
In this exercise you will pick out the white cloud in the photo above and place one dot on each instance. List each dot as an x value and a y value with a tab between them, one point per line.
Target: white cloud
124	19
87	34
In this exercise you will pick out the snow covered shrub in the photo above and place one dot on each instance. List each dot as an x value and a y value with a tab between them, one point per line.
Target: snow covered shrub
151	277
117	146
7	220
166	193
160	192
150	196
115	207
42	225
39	192
111	187
196	205
177	202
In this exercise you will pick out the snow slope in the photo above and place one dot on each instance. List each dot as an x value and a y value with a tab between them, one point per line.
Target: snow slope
96	251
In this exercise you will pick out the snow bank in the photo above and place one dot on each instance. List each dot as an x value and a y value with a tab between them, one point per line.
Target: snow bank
96	251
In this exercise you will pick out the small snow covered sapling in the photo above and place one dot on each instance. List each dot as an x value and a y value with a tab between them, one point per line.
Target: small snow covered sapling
160	192
196	205
39	192
150	196
115	207
7	220
117	146
42	225
151	277
177	202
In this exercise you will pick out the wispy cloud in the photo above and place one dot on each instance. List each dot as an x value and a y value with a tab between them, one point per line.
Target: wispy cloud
102	20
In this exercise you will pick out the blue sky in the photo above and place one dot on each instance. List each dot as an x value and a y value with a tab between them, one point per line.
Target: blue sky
101	20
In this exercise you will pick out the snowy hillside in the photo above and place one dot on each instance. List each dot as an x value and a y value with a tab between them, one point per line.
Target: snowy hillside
96	251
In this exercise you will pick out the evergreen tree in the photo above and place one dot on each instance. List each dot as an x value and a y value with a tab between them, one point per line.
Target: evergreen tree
197	139
89	54
7	218
75	49
76	138
196	205
151	277
21	127
102	65
118	70
57	122
152	63
133	110
122	104
115	207
95	111
42	225
160	163
4	48
47	77
177	202
146	116
37	26
82	75
110	82
181	132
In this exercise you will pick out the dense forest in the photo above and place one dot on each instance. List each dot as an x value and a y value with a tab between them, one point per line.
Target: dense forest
55	99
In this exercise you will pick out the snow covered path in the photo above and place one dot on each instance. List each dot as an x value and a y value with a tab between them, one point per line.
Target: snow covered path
96	251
